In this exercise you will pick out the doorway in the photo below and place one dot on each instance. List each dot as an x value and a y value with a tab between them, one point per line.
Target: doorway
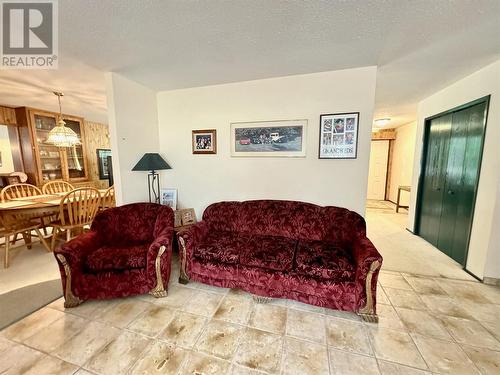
377	173
453	148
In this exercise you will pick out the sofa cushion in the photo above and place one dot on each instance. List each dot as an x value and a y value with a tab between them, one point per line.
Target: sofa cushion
326	261
113	258
269	252
219	246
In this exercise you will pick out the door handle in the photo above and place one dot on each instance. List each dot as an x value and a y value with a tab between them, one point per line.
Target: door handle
451	192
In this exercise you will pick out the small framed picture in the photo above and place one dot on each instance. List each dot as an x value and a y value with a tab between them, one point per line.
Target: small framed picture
102	162
204	141
338	136
188	216
168	197
177	218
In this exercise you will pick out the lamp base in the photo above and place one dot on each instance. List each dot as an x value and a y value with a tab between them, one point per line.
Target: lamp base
154	187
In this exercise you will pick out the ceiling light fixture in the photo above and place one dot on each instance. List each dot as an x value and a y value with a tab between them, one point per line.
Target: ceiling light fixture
60	135
381	122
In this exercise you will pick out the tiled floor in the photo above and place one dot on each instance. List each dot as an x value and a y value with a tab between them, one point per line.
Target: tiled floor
428	324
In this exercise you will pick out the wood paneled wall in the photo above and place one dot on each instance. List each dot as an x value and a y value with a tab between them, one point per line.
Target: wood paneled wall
97	137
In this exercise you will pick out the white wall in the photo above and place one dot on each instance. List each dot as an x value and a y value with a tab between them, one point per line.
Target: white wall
204	179
7	162
483	82
402	162
133	125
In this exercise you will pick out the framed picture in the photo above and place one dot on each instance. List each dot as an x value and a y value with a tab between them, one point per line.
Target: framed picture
204	141
338	136
168	197
102	163
269	138
177	218
188	216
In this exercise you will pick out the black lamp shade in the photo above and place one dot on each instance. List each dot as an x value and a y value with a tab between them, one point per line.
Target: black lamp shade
151	162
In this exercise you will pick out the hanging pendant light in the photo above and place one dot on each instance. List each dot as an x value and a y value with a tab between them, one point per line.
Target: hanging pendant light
61	135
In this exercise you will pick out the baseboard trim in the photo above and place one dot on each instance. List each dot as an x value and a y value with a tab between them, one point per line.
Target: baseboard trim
491	281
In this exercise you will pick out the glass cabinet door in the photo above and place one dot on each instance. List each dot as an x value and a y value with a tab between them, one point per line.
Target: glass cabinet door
50	157
75	156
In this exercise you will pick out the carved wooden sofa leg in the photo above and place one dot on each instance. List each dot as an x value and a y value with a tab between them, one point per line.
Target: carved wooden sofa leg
159	290
183	277
367	313
70	300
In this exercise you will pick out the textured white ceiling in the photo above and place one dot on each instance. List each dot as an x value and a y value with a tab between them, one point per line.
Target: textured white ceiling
420	46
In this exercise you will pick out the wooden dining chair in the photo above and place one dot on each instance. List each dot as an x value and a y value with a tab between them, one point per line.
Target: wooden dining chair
76	210
19	191
59	186
21	225
108	198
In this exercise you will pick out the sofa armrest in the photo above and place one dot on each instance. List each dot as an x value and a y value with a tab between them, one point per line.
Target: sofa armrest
76	250
187	239
158	262
368	262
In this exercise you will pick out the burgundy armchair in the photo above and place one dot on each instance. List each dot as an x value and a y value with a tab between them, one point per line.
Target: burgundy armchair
126	252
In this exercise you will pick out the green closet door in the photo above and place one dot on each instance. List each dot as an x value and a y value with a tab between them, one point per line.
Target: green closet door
434	178
470	122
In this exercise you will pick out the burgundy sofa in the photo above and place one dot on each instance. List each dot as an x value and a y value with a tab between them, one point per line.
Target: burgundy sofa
285	249
127	251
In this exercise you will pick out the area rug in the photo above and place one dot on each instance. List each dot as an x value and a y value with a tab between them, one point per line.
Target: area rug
380	205
21	302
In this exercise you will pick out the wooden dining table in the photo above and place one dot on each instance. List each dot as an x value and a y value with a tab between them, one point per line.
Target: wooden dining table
17	209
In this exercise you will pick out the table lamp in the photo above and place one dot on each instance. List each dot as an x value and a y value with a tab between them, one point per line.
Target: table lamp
152	162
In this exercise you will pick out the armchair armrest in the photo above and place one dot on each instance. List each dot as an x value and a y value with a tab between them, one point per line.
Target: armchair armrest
158	262
77	249
368	262
187	239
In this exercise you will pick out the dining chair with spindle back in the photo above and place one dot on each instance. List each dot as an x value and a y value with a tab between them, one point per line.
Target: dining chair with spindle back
108	198
19	191
76	210
58	186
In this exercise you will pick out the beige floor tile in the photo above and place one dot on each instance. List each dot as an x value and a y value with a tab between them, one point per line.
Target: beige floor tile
234	309
306	325
444	357
50	365
470	333
160	358
349	315
219	339
488	361
207	288
199	363
241	370
424	285
259	350
183	330
5	344
153	321
467	290
346	335
304	358
444	305
423	322
343	363
18	359
177	297
123	313
119	355
405	298
292	304
387	318
57	333
203	303
92	309
268	317
395	346
493	328
485	312
82	371
389	368
30	325
389	280
381	296
86	343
